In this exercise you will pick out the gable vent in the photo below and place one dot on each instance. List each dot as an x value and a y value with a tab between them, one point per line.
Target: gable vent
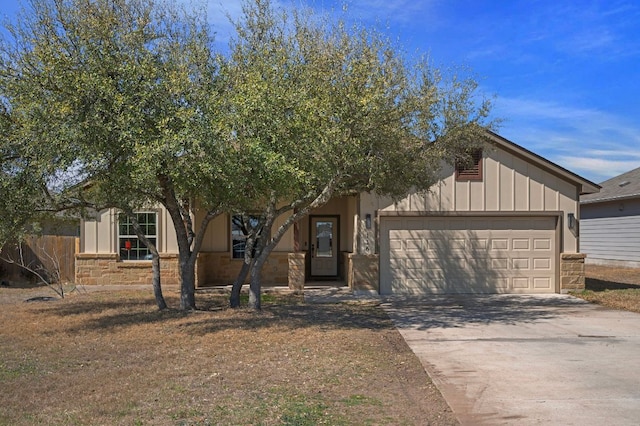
472	171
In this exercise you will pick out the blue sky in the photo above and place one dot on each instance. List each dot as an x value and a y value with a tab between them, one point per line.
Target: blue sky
564	73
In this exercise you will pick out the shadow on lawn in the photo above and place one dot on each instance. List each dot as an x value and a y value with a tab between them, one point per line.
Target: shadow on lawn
418	313
595	284
216	316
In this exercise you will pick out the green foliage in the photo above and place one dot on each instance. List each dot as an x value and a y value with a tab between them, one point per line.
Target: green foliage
124	103
312	100
317	108
115	102
120	92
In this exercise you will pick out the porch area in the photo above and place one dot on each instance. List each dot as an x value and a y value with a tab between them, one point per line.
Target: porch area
319	251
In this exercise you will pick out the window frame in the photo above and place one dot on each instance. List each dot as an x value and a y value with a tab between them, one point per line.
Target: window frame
136	245
471	172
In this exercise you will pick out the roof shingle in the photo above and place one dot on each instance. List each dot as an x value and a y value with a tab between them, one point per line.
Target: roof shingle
626	185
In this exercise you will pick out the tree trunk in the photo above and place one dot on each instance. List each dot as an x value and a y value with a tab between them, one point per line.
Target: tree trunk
255	285
234	300
155	260
157	286
188	283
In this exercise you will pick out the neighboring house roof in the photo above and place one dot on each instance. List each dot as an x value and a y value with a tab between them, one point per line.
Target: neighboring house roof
586	186
624	186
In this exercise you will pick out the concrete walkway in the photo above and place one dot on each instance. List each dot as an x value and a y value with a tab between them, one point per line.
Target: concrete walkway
526	360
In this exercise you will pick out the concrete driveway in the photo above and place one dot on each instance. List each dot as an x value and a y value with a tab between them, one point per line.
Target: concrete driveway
525	360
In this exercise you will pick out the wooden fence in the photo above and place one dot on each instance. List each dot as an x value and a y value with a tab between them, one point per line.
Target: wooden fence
50	253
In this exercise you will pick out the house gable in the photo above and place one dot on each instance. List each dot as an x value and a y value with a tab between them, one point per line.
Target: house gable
515	182
511	182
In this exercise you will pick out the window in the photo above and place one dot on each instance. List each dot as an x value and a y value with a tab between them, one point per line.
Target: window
130	247
241	227
471	170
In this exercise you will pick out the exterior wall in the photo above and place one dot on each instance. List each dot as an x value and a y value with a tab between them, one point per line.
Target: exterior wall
296	271
363	272
510	185
99	261
218	235
343	207
218	268
107	269
610	232
572	276
100	235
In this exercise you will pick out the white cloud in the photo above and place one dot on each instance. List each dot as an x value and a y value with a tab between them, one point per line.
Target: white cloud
590	142
599	169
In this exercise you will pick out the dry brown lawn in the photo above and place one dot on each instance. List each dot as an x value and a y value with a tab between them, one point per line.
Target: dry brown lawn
613	287
110	358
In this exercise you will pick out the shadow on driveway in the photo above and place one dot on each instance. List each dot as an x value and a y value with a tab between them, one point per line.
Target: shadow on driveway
461	310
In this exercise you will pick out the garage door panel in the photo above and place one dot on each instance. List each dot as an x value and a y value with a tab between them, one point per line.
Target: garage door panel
397	264
502	283
499	244
520	263
415	263
520	282
478	243
414	274
470	255
542	283
520	244
500	264
395	244
542	264
542	244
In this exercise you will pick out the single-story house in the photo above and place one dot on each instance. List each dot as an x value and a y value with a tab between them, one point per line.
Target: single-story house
610	225
506	224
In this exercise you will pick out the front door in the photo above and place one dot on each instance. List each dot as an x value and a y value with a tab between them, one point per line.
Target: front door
324	246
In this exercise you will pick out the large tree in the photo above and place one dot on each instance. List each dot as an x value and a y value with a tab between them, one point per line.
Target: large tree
319	108
122	94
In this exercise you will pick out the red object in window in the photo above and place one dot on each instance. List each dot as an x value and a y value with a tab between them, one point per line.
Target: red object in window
127	245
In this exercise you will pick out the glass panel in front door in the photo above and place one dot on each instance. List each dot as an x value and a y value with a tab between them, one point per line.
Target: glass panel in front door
324	239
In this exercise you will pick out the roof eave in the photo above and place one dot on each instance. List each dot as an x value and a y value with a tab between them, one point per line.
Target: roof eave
606	199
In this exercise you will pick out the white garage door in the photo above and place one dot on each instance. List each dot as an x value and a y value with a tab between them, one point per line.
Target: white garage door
442	255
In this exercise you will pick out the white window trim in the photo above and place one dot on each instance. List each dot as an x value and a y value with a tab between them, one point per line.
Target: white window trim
158	216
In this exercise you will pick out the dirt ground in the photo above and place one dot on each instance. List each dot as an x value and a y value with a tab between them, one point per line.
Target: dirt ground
112	358
613	287
611	277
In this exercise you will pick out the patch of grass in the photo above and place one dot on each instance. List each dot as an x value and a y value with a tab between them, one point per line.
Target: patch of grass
273	298
20	369
355	400
612	287
628	300
306	413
